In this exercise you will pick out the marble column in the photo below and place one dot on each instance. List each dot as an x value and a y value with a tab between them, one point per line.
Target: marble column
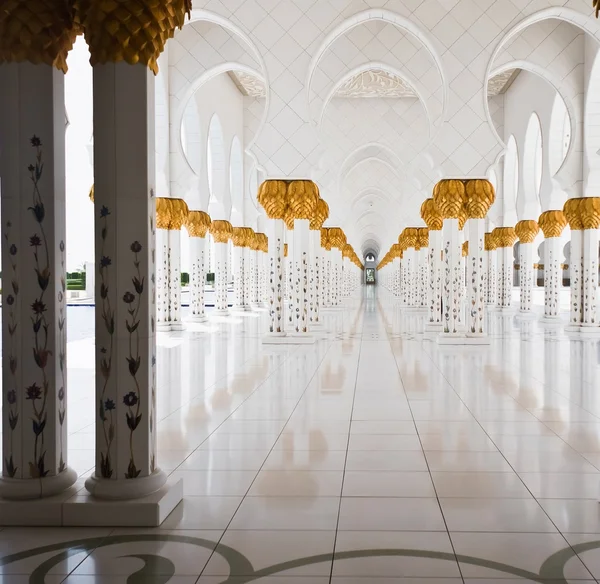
449	197
589	212
222	232
572	213
197	224
505	238
316	277
34	329
239	268
492	269
171	214
126	458
435	277
325	269
526	231
423	266
552	224
252	281
276	277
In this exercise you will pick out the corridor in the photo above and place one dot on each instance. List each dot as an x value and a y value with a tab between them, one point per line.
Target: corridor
372	456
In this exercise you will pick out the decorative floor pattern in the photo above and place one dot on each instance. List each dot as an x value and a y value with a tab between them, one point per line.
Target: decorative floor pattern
373	456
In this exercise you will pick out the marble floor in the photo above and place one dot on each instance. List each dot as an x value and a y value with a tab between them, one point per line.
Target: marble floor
373	456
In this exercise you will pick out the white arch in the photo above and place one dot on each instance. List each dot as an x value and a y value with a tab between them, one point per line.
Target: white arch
578	19
558	87
199	82
386	16
532	157
511	179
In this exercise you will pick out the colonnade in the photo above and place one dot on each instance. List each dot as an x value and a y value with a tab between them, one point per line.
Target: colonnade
461	269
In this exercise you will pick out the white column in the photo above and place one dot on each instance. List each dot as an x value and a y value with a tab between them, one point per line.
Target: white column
221	277
436	278
552	273
505	277
452	279
576	265
300	267
423	277
34	329
492	287
276	277
197	278
336	280
317	276
590	277
526	276
162	280
328	278
476	279
239	275
252	282
174	280
126	460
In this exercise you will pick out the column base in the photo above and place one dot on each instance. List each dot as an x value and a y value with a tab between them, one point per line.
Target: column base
12	490
125	489
433	327
461	339
507	309
163	327
221	312
288	339
177	326
556	320
589	331
197	319
526	315
149	511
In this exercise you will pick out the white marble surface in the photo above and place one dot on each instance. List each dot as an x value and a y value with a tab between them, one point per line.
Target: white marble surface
374	438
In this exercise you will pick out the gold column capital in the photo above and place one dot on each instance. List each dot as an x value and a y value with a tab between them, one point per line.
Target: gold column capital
222	231
423	237
411	237
504	236
572	211
262	242
589	211
462	218
179	213
321	215
431	215
37	31
197	223
272	196
163	212
465	248
488	242
527	230
134	32
171	213
238	237
285	250
325	241
303	196
337	237
480	196
552	223
449	196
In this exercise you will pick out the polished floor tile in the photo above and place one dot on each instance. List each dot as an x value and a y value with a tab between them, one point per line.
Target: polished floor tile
373	456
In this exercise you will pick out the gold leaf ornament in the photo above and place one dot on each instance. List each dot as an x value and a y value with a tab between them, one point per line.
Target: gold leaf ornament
222	231
589	211
197	223
480	197
325	241
321	215
303	196
527	230
431	215
572	211
552	223
449	197
272	196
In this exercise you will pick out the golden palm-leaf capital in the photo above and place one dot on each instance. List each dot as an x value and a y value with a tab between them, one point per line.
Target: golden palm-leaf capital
238	237
302	198
449	197
480	197
272	196
197	223
527	230
321	215
134	32
179	213
423	237
222	231
163	212
285	250
411	236
325	241
505	236
431	215
489	243
465	249
572	211
37	31
590	212
552	223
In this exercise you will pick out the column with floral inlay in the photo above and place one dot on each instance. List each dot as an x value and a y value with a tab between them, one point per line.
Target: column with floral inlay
326	263
433	218
317	280
125	243
480	196
197	224
589	210
552	224
449	197
492	270
423	263
34	329
526	231
222	232
239	268
505	238
272	195
572	213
